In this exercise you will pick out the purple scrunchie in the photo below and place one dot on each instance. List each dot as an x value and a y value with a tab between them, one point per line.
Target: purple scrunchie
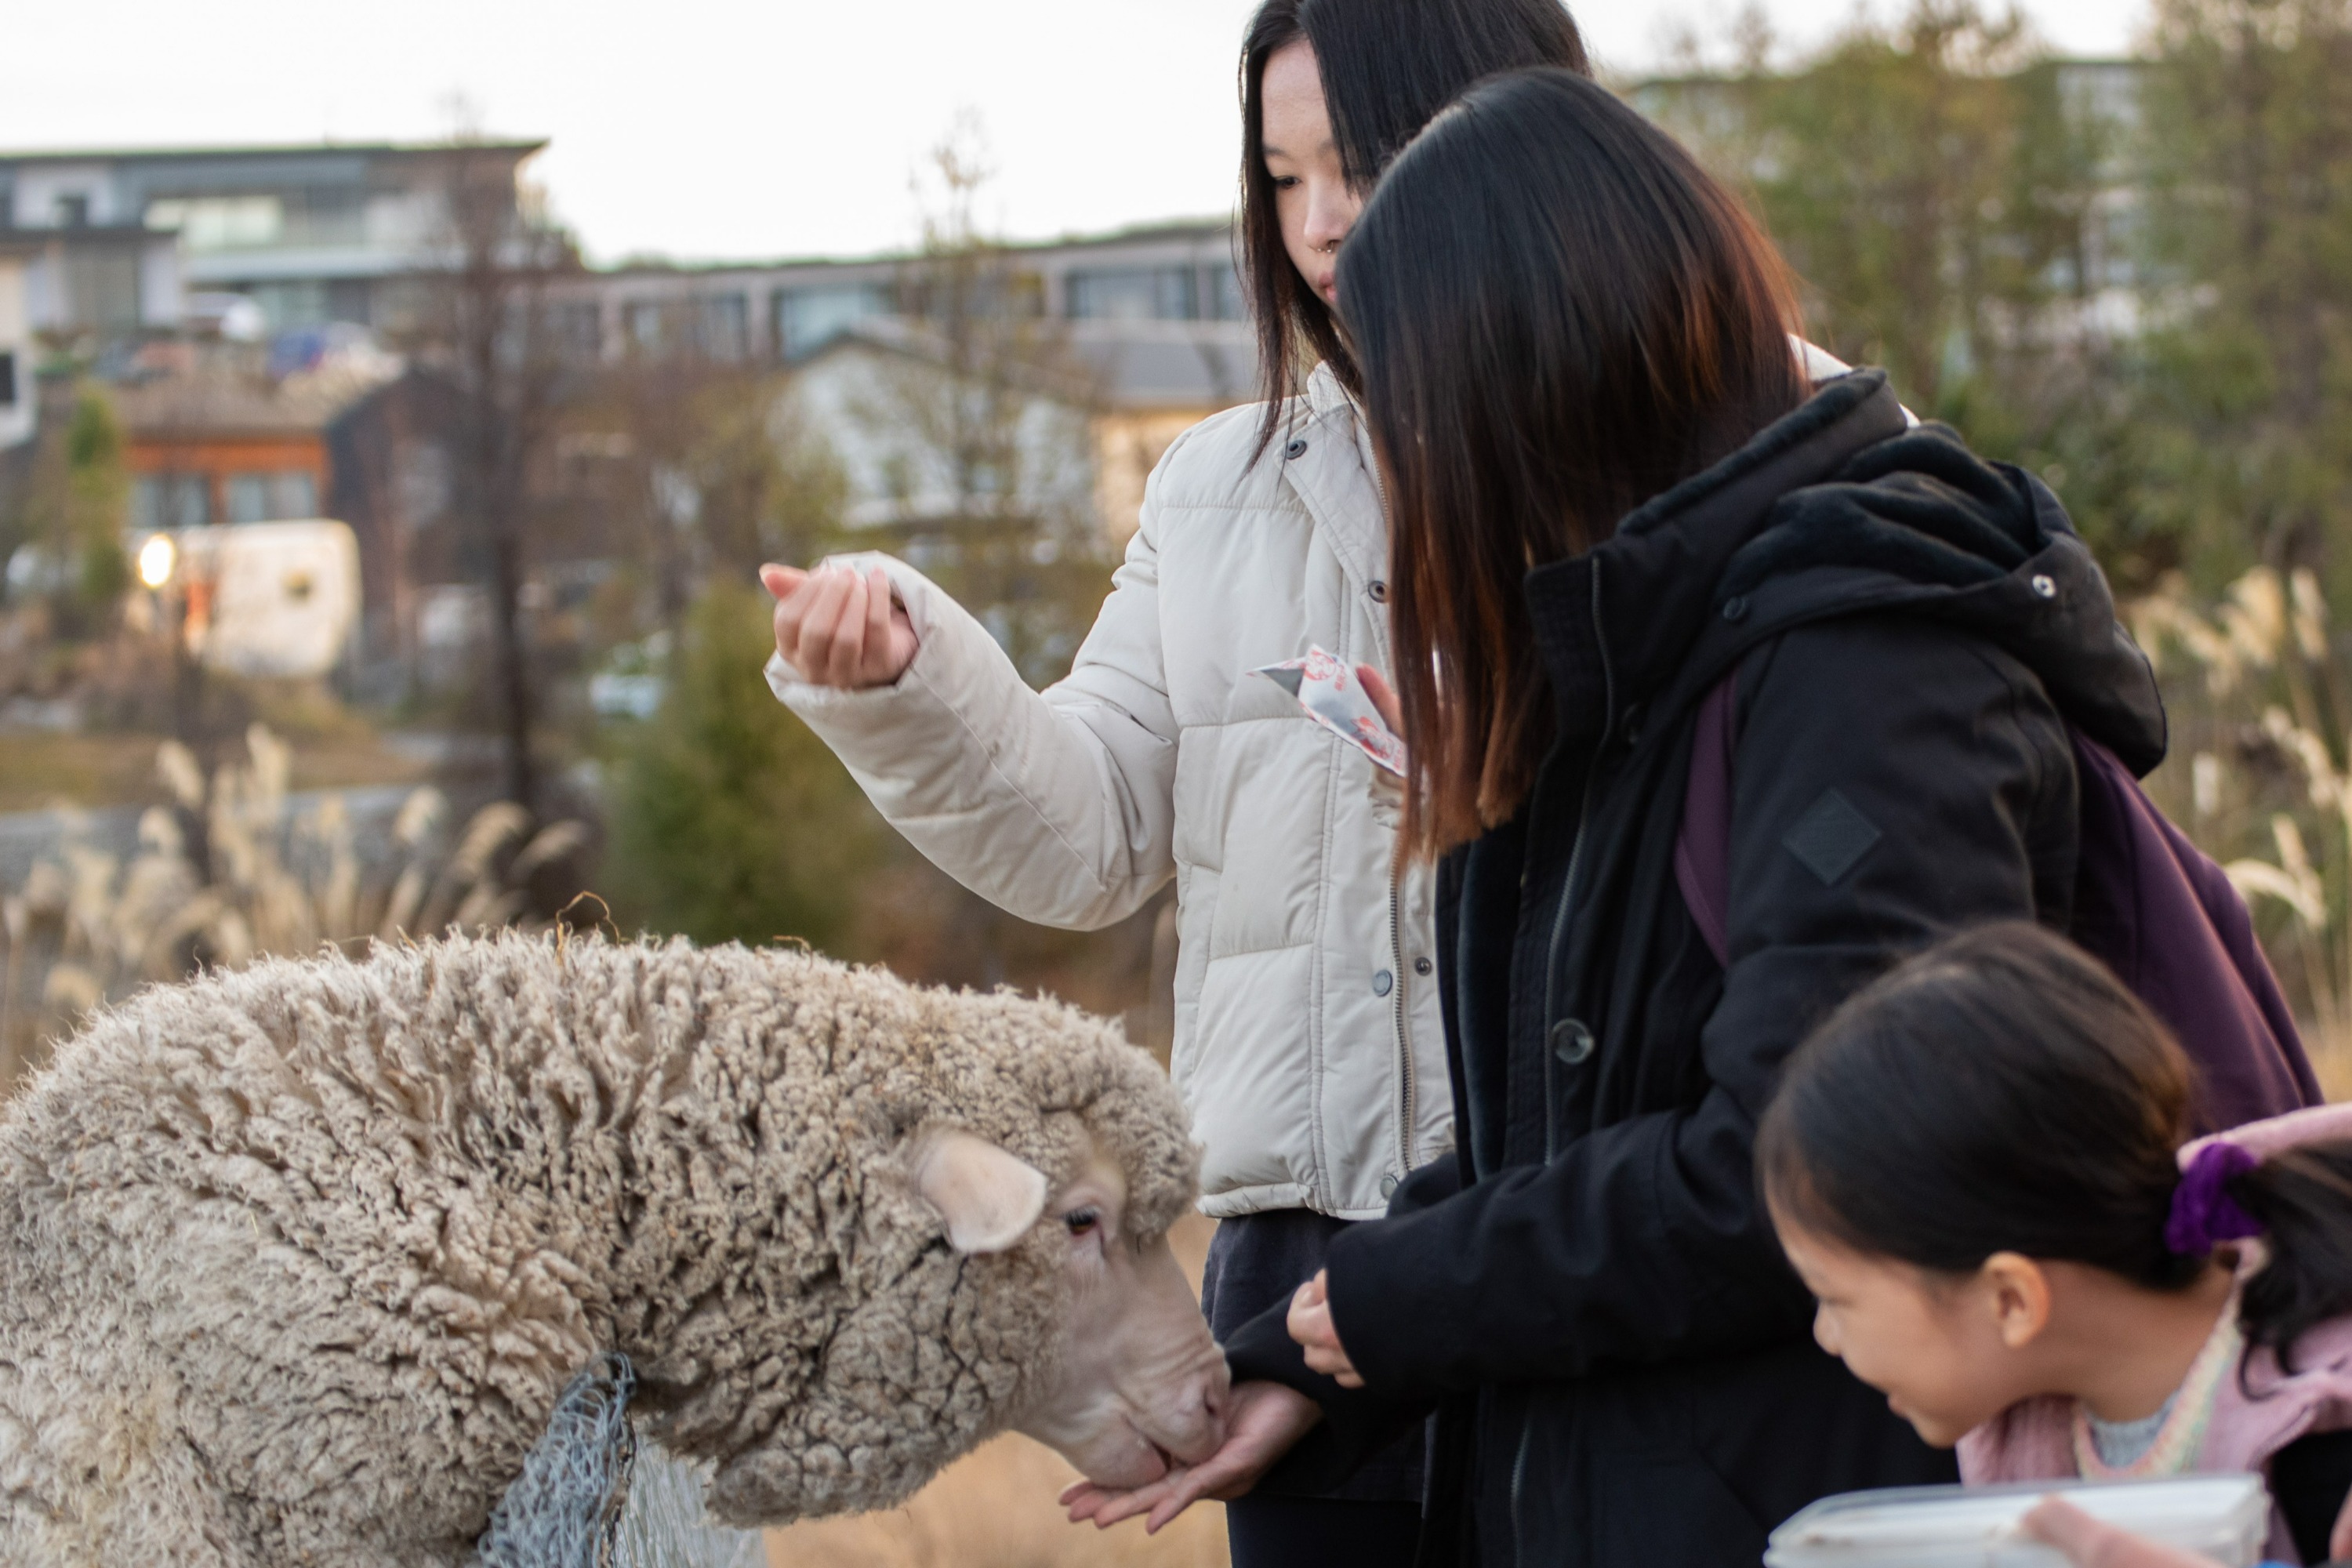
2204	1215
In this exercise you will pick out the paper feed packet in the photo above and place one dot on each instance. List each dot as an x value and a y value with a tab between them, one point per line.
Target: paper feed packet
1328	688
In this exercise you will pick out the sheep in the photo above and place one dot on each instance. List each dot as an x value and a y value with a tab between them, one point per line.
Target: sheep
295	1260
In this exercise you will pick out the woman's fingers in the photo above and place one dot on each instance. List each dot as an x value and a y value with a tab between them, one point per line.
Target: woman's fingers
2089	1542
1383	696
1310	1324
875	668
781	582
847	663
819	624
839	627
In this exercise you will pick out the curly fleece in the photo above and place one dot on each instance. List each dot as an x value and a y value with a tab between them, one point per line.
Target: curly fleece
297	1259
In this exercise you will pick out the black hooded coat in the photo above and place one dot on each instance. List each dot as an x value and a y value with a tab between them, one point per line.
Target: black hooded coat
1588	1292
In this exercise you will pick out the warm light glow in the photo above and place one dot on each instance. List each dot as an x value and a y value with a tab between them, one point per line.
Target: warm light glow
156	559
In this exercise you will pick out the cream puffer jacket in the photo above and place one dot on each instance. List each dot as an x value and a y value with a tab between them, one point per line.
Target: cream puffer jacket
1309	1044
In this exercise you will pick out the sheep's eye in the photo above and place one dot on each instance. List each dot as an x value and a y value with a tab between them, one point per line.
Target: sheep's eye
1081	1221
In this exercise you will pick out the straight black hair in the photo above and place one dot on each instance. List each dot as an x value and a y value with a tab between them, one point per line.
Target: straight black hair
2003	1092
1558	315
1388	67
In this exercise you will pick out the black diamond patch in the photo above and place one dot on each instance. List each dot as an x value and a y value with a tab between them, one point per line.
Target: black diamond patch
1830	837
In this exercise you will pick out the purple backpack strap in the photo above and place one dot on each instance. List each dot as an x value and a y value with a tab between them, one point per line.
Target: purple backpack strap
1702	846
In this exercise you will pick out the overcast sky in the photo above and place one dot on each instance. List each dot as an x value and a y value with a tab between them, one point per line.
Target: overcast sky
703	129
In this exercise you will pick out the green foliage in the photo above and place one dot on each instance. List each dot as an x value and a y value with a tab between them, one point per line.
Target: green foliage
74	507
731	820
2250	239
2134	278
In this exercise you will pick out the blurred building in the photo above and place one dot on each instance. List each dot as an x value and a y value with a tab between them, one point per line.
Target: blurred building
309	235
1154	317
18	400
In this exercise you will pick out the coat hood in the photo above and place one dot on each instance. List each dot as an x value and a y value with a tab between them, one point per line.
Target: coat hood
1840	509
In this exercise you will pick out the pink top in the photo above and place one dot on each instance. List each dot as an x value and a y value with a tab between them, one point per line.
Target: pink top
2033	1440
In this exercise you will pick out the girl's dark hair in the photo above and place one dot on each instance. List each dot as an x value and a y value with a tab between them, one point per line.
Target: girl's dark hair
2003	1092
1388	67
1556	315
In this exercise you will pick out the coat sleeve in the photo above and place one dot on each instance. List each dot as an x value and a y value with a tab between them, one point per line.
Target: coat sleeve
1893	782
1058	806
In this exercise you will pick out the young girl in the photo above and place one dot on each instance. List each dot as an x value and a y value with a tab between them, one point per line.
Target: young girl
1976	1166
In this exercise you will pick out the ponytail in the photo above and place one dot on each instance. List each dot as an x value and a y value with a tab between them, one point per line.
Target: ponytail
2301	1199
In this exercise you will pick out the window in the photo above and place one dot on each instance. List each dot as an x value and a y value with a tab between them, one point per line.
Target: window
221	223
805	320
7	380
101	287
725	327
272	498
169	500
643	318
248	498
293	494
1133	294
1225	290
577	327
7	209
73	212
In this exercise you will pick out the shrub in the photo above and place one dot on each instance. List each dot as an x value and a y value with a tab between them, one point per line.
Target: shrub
729	819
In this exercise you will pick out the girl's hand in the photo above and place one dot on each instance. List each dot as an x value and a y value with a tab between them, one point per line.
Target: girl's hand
2089	1542
1310	1325
839	629
1263	1421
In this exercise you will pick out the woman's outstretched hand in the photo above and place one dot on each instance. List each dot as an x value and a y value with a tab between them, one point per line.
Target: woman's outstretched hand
2089	1542
840	627
1310	1324
1263	1421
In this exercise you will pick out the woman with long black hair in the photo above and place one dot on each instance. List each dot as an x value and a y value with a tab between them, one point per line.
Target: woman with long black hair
1617	505
1308	1037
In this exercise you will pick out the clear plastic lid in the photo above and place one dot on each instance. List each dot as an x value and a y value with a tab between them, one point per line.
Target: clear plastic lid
2222	1518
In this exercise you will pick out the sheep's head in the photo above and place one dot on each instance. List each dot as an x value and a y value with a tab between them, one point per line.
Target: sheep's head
1015	1220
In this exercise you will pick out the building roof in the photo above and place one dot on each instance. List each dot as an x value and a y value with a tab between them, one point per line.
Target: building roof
21	241
167	154
214	404
1138	364
1141	234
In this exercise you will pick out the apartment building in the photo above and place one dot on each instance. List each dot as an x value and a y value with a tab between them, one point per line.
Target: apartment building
119	239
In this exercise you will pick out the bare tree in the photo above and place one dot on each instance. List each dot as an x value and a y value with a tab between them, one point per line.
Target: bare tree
492	323
983	418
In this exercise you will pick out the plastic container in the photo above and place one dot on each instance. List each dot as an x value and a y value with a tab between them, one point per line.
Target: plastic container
2225	1518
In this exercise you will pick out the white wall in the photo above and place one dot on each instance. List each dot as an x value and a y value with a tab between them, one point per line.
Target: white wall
160	296
16	418
38	186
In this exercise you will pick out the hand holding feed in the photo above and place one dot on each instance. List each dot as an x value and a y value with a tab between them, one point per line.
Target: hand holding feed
2089	1542
1263	1421
1310	1324
1388	790
840	627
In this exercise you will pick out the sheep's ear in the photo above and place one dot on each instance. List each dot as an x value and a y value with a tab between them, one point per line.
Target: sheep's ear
989	1198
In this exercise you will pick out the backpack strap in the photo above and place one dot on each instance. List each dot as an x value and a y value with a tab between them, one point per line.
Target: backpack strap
1703	846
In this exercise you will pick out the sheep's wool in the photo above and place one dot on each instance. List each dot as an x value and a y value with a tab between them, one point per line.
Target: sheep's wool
298	1260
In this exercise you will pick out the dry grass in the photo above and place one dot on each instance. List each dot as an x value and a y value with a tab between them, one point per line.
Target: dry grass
38	769
995	1509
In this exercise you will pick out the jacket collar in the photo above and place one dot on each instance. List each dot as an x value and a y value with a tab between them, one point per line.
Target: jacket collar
1615	624
1326	455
